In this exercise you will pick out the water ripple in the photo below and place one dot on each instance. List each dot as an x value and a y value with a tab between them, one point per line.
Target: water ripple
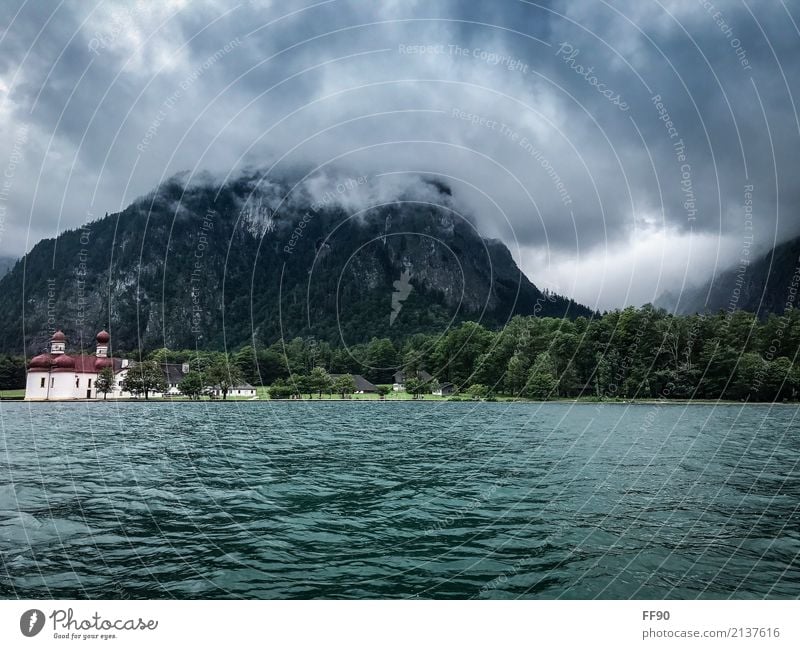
343	500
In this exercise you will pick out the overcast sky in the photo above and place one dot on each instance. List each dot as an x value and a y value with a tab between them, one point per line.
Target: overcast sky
544	117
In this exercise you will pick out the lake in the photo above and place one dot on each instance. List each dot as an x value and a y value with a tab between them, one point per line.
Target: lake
398	500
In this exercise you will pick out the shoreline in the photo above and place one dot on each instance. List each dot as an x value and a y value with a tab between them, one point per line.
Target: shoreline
576	401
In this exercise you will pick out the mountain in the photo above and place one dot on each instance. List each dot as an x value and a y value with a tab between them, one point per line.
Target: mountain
218	266
763	286
6	264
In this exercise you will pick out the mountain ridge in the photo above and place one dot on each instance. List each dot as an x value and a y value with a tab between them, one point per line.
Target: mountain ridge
764	286
256	260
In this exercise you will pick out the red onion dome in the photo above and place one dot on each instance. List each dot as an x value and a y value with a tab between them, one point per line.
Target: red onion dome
64	362
100	363
103	337
58	337
40	362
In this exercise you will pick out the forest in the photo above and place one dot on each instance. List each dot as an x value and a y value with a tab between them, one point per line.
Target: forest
635	353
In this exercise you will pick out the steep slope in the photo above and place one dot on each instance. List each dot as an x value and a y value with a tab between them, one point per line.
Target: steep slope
6	264
764	286
216	267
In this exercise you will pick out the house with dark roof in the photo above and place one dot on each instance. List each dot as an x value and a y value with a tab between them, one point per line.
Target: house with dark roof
362	385
400	379
444	390
174	373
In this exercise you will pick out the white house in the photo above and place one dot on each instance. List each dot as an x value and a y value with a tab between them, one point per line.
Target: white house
242	390
174	373
58	376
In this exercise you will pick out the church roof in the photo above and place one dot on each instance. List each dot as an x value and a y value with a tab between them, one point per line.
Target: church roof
83	364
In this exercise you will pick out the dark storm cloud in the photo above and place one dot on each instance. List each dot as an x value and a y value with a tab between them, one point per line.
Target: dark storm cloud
541	116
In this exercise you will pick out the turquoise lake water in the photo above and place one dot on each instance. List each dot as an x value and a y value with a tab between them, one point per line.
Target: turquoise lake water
401	500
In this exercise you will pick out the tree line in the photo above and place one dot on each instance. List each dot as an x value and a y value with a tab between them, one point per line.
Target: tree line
12	372
642	353
634	353
146	377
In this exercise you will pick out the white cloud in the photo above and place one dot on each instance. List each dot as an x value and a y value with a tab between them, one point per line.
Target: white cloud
631	272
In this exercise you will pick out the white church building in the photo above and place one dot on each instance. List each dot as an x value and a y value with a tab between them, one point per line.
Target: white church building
58	376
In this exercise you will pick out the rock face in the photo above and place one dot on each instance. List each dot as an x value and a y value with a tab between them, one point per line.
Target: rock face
767	285
220	266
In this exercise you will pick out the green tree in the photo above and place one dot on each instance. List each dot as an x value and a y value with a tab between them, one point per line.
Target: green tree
191	385
778	383
223	375
517	374
542	380
12	372
144	378
281	390
320	381
342	362
344	385
720	365
413	387
246	360
748	380
105	381
490	368
381	360
271	366
295	355
132	383
604	374
457	353
302	384
477	391
383	390
161	355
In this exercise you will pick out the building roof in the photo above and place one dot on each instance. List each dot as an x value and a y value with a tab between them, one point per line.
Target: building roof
82	364
362	385
90	365
173	372
78	364
422	375
42	361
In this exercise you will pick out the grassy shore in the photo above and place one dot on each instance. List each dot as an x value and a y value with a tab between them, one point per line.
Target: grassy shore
263	395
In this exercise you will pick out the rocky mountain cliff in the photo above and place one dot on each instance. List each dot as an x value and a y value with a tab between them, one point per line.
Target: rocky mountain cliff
217	266
763	286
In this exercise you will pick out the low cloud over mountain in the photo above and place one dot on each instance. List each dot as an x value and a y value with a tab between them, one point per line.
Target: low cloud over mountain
608	145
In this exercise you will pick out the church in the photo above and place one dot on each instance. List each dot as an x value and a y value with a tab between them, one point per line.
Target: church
58	376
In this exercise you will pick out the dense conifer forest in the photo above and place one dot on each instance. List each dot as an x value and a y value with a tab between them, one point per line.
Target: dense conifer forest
635	353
